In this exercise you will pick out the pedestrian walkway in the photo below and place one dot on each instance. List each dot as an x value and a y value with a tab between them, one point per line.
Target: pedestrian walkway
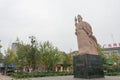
60	78
71	78
2	77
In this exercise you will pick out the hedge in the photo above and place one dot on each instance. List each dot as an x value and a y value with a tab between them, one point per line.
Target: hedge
38	74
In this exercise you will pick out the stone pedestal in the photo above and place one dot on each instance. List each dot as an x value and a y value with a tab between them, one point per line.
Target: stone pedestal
88	66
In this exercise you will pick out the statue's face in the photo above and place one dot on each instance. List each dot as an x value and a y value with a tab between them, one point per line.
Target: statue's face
79	18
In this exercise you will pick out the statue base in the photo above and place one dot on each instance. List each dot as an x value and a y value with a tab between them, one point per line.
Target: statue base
88	66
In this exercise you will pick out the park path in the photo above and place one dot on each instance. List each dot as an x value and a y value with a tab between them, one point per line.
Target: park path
71	78
2	77
60	78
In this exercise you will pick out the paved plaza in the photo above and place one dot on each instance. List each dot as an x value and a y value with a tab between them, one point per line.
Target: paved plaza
61	78
5	77
71	78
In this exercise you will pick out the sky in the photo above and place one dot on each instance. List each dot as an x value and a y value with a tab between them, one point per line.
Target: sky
53	20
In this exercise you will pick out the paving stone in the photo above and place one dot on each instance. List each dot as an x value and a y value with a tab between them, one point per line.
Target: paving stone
60	78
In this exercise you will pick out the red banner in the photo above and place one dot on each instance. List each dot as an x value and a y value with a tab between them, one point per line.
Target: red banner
111	45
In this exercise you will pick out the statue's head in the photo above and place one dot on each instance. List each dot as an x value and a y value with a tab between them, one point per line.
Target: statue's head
79	18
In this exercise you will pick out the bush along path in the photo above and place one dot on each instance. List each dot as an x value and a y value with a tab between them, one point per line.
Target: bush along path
38	74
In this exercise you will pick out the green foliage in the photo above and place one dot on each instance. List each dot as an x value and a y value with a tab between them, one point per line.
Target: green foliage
9	56
66	59
109	61
31	56
27	55
112	74
49	55
101	53
38	74
1	56
113	57
22	58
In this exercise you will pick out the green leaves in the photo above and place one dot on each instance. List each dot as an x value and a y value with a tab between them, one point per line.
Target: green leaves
101	53
50	55
22	54
1	56
9	57
31	56
113	57
111	61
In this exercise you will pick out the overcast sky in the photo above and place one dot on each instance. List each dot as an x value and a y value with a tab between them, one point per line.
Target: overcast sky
53	20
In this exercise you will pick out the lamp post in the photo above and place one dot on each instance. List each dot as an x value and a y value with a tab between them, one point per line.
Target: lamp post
1	57
115	65
33	51
0	46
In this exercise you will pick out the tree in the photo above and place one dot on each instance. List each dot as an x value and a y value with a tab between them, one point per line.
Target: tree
27	55
101	54
1	56
22	55
49	55
66	60
114	58
33	54
9	58
104	58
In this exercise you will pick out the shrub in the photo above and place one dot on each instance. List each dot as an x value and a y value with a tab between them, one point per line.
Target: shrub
38	74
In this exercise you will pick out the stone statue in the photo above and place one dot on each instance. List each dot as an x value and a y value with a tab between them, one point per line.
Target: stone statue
87	43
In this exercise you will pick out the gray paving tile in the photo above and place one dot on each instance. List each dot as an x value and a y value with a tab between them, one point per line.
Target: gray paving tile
71	78
61	78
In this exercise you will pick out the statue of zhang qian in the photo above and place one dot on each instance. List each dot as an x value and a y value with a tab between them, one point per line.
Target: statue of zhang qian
87	64
87	42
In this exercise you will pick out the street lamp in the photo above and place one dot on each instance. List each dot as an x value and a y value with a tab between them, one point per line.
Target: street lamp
32	39
114	63
33	51
0	46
